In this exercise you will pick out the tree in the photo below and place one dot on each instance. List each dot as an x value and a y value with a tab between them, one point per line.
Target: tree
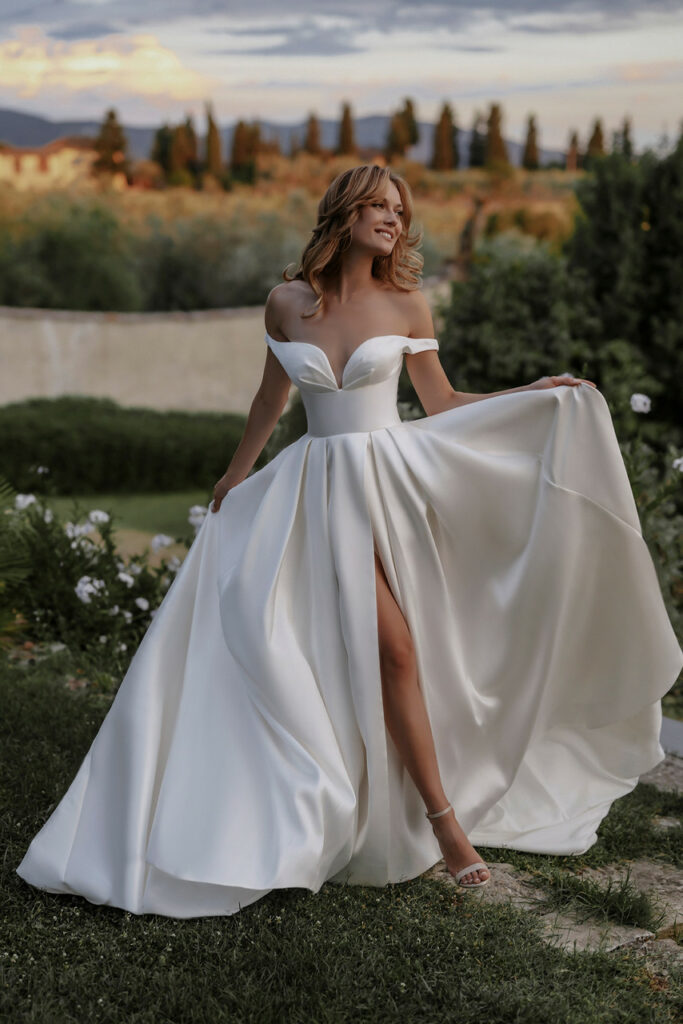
408	115
596	144
312	136
161	148
398	138
213	161
477	156
530	156
496	150
445	153
347	140
245	143
573	160
622	142
111	145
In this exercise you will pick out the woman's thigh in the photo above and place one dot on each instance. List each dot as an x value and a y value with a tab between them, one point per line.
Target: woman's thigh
395	642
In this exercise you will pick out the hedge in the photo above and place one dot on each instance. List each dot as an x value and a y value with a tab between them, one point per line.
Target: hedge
94	445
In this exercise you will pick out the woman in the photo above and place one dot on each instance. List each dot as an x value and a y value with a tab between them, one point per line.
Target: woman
387	620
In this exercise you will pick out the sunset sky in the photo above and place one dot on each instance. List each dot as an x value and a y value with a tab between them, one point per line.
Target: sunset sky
158	59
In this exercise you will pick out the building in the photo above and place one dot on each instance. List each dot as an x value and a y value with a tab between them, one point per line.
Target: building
57	164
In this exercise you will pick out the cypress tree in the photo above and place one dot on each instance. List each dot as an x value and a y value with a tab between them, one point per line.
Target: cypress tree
496	150
214	162
408	115
477	156
111	145
445	151
312	137
596	144
530	157
573	159
239	155
398	139
161	148
347	139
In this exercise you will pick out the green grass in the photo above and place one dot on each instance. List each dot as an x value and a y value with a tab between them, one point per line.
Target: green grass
151	513
415	952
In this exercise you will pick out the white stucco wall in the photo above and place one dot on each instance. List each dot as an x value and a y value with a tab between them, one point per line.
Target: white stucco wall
208	360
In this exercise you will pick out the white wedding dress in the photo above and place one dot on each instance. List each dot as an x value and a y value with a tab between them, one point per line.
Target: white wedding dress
246	748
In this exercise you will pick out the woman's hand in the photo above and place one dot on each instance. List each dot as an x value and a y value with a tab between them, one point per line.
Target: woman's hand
220	490
553	382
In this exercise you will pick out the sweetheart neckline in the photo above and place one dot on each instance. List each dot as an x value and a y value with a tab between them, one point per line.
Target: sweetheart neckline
375	337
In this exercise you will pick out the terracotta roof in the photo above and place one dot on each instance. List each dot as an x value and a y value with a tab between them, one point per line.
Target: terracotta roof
66	142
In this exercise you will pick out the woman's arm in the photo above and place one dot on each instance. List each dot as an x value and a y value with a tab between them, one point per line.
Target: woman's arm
429	379
264	412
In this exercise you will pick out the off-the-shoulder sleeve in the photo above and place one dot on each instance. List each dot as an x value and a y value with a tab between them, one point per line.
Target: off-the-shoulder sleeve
413	345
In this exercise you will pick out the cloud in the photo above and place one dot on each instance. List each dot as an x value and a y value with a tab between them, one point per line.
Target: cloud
298	42
32	65
63	19
84	30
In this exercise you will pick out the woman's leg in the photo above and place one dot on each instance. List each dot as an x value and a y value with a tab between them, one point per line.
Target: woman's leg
406	718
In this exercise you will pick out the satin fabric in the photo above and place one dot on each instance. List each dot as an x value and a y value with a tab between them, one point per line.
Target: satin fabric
246	749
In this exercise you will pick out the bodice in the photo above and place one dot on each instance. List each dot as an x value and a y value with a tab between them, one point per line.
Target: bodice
367	397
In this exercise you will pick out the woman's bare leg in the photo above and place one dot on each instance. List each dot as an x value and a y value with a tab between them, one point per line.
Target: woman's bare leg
406	718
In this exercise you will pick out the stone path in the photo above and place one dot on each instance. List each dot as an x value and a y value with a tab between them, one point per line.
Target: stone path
664	883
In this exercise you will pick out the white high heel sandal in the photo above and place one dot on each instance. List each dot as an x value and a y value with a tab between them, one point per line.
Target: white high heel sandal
470	867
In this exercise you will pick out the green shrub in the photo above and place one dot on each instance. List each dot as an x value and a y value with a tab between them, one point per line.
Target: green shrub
93	445
69	256
78	590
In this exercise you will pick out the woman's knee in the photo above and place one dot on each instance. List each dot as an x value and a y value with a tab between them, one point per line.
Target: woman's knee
397	655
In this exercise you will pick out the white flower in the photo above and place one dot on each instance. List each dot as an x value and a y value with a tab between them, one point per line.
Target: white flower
23	501
120	565
135	569
73	530
123	647
128	616
142	603
126	578
47	515
87	588
174	564
103	639
197	516
96	515
161	540
40	470
114	610
640	403
678	463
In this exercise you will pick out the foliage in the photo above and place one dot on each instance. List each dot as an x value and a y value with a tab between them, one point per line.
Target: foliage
93	445
111	145
78	590
627	247
68	255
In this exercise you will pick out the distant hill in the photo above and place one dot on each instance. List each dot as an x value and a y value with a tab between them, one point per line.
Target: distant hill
19	129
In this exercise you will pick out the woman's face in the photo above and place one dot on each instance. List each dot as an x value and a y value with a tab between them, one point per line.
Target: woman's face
379	224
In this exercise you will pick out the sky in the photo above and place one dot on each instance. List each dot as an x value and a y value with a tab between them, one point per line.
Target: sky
567	62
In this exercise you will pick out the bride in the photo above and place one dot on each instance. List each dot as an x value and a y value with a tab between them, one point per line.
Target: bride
388	620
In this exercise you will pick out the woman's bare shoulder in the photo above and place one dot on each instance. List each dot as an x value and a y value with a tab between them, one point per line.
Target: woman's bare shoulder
284	301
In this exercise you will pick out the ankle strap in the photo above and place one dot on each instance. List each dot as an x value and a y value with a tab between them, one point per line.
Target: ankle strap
437	814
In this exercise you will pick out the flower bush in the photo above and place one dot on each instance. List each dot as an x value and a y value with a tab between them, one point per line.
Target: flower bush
78	590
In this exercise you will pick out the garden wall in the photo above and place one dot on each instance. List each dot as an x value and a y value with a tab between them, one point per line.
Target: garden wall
210	360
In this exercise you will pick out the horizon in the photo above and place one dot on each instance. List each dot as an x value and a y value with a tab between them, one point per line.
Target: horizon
566	66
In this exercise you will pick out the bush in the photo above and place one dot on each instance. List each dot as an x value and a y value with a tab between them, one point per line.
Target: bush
77	590
93	445
69	256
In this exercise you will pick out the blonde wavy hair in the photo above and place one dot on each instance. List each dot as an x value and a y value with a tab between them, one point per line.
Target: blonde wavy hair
338	210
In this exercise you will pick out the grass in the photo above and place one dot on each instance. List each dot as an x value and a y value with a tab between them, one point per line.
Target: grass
148	513
415	952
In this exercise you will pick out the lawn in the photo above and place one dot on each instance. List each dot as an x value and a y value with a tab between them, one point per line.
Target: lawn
147	513
414	952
